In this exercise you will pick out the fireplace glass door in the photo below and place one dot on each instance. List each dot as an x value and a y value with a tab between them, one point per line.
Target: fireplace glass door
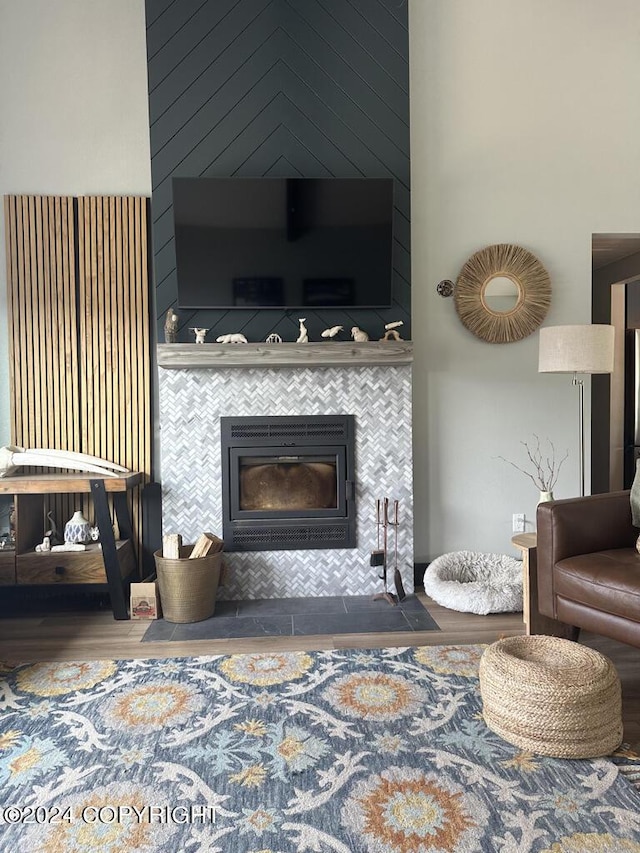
297	485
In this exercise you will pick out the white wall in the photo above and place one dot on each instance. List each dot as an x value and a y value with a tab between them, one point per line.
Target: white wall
525	128
73	110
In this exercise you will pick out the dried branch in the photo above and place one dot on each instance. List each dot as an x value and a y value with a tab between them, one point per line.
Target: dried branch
546	467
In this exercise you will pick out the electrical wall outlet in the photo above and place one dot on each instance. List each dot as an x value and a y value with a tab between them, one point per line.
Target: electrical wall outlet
517	522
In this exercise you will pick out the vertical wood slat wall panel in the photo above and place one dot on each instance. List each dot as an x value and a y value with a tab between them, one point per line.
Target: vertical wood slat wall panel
80	349
114	332
32	310
84	310
11	243
42	341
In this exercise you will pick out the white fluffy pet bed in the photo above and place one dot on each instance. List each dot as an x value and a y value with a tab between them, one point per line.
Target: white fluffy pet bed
475	583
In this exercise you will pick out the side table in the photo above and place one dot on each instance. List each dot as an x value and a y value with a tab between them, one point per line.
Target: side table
534	621
111	565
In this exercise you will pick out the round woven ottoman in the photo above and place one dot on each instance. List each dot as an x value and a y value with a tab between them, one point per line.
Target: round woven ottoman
551	697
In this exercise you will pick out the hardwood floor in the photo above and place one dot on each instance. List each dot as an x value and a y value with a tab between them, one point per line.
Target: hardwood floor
97	635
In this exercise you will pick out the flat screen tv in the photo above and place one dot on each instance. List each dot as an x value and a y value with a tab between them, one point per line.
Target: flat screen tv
283	242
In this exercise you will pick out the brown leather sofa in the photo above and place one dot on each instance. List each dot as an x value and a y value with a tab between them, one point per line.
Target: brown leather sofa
588	567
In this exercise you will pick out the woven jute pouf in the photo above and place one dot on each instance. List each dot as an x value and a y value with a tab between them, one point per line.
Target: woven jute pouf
551	697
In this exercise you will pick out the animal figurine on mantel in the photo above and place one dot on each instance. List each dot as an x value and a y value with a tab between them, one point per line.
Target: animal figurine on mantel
359	335
332	332
236	338
200	334
171	327
303	337
390	331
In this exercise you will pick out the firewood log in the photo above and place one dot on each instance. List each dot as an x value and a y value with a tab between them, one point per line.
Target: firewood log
171	544
207	543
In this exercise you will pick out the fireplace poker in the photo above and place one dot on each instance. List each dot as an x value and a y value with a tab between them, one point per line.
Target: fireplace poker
397	577
388	596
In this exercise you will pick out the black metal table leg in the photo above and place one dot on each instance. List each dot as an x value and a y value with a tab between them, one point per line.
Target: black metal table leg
109	552
122	515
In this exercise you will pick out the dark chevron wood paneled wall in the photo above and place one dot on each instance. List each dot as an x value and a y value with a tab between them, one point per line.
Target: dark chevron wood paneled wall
286	88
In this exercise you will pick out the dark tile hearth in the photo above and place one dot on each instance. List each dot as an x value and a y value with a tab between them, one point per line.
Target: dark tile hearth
286	617
230	627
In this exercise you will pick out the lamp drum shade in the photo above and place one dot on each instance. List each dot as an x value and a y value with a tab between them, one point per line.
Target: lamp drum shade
576	349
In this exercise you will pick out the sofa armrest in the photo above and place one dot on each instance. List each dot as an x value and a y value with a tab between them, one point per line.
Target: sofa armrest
575	526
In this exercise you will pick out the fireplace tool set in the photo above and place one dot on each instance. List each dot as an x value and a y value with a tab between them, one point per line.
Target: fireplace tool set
379	557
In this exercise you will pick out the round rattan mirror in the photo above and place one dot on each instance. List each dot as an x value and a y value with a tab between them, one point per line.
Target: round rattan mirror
500	271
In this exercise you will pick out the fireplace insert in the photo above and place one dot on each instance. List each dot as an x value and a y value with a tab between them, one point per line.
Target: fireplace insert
288	482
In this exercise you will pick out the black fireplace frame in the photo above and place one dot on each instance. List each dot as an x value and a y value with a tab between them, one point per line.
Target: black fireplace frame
292	436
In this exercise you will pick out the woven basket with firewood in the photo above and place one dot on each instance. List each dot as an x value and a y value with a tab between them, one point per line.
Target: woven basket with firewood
188	577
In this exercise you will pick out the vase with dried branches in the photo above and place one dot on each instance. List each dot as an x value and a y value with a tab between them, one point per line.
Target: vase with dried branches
544	466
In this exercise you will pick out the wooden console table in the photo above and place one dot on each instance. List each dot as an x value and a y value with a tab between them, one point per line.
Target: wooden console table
114	563
534	621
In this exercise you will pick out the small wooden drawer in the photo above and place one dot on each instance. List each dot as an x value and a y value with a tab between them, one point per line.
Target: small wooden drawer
69	566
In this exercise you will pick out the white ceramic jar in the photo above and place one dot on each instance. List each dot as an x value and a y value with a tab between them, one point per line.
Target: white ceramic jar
77	530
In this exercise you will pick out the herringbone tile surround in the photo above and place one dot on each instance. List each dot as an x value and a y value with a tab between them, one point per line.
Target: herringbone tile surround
191	403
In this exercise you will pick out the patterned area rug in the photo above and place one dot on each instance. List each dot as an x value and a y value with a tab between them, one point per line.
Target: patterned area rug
330	752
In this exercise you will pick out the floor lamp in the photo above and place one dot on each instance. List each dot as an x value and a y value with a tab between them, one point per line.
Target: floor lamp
577	350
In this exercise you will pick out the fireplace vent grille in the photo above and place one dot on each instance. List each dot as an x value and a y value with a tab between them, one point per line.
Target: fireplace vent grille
335	429
309	535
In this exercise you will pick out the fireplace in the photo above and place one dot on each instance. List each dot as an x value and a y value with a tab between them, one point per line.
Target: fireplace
199	384
288	482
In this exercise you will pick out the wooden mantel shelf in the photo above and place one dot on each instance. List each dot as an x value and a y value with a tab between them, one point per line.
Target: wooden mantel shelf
347	354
